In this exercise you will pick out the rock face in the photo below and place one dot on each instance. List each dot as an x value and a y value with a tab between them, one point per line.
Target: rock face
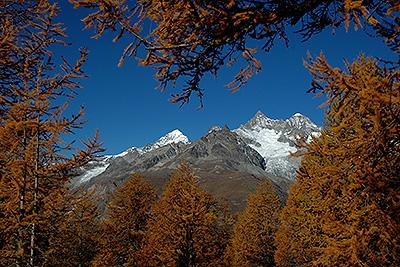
229	163
225	147
275	139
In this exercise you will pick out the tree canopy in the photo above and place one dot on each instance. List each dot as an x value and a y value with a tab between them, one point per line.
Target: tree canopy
33	98
344	209
254	232
187	226
189	39
126	219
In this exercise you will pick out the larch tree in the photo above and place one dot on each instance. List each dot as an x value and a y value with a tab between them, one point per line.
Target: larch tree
253	242
350	174
187	227
300	234
33	166
75	230
188	39
363	199
125	223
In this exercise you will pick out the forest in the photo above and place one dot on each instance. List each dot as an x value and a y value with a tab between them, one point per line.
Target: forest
344	209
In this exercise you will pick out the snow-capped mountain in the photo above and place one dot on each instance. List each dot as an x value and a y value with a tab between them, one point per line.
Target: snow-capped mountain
175	136
272	139
275	139
97	167
229	162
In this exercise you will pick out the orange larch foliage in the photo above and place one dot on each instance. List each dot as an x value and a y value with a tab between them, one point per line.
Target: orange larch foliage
300	235
254	233
187	227
33	169
351	173
75	230
189	39
362	200
125	223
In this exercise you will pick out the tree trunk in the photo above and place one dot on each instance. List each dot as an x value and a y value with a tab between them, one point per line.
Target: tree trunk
35	198
21	209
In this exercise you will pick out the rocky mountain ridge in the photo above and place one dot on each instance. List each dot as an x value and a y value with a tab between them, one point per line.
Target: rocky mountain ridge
229	162
275	139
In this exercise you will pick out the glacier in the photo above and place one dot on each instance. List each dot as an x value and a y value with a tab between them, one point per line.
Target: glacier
273	139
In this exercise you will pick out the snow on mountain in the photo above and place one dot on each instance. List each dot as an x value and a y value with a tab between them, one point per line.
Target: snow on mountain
275	139
265	141
175	136
96	168
214	129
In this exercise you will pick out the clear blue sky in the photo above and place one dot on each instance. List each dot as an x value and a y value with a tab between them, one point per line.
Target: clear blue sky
123	104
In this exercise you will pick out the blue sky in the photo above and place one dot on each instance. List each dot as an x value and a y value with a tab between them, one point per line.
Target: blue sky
123	104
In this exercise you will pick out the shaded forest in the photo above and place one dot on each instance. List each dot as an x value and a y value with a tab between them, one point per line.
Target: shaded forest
343	210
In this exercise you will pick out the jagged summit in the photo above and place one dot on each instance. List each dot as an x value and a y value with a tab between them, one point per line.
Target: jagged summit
231	162
296	122
175	136
96	168
215	129
276	139
302	124
272	139
259	120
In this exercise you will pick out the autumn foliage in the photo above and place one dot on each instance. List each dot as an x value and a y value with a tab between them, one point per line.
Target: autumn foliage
122	232
344	210
33	168
187	227
75	230
253	241
365	121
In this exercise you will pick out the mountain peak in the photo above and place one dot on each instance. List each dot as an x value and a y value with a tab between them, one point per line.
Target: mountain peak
259	114
259	121
298	115
260	147
175	136
299	122
213	129
276	138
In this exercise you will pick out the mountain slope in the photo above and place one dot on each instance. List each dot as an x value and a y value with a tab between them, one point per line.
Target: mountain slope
275	139
229	163
98	167
225	164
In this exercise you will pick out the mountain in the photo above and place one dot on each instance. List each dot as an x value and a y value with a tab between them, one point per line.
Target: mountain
275	139
99	166
173	137
228	162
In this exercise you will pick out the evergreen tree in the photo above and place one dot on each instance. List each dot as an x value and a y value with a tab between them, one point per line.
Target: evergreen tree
254	233
126	219
300	234
187	227
33	168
